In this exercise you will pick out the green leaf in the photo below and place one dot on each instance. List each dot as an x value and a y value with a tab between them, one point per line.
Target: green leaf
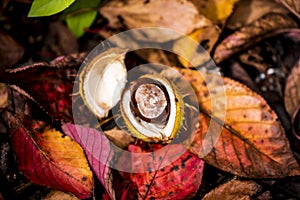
41	8
77	23
80	15
79	6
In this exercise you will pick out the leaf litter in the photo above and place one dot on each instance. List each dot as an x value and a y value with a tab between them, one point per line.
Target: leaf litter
252	144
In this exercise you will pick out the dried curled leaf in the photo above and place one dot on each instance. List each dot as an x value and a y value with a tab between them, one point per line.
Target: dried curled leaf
292	5
162	14
252	142
266	26
48	158
245	12
296	123
292	90
179	180
234	189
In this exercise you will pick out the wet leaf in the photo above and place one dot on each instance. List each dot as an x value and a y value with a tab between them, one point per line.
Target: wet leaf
97	150
178	180
11	52
216	10
48	158
252	142
266	26
162	14
292	90
234	189
292	5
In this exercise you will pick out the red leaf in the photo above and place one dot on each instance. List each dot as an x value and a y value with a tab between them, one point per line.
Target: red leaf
97	149
178	180
49	84
47	158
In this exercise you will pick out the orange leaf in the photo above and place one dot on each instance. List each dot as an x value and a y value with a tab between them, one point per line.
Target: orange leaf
46	157
252	142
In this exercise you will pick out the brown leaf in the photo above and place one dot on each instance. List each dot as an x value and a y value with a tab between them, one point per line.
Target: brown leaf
60	40
252	142
119	137
266	26
178	15
246	12
237	72
292	90
296	125
234	189
292	5
3	95
11	52
54	195
48	158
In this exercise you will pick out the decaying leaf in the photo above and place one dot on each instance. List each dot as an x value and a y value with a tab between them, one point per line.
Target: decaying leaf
252	142
54	195
266	26
234	189
178	180
246	12
98	151
11	52
292	5
216	10
162	14
48	158
292	90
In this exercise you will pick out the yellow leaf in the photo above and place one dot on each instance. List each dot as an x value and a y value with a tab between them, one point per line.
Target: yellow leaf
216	10
188	47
